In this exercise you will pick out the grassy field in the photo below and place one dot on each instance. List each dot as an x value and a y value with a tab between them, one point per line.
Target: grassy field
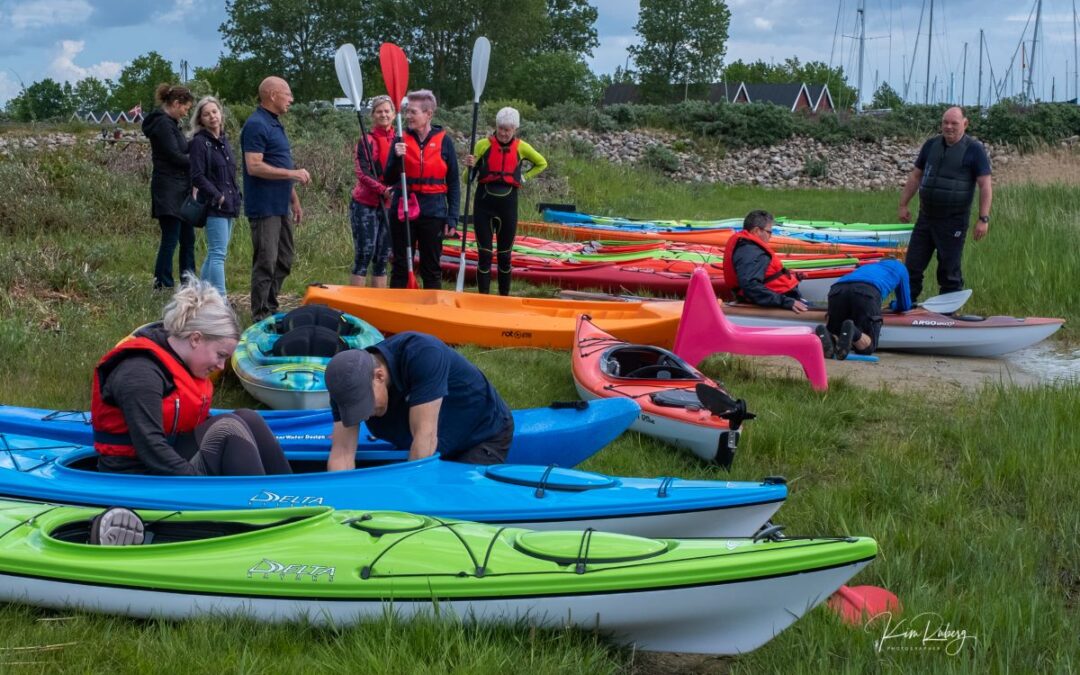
970	495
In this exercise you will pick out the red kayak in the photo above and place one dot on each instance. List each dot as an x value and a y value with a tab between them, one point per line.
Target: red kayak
667	389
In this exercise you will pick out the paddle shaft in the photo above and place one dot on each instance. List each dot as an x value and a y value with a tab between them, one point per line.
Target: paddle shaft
468	195
405	208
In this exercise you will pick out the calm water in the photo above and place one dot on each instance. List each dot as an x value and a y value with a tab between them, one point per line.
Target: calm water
1048	361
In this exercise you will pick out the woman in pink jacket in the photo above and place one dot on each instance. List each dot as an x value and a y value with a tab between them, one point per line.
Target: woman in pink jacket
371	232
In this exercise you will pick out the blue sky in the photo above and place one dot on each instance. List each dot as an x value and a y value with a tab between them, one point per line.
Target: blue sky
70	39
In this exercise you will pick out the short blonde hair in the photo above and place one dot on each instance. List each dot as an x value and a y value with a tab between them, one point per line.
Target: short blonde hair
198	308
196	112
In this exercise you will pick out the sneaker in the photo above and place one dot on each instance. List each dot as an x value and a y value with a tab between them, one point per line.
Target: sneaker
117	526
843	345
827	345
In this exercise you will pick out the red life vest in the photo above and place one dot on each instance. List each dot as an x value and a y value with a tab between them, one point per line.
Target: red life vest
777	278
185	408
501	164
425	168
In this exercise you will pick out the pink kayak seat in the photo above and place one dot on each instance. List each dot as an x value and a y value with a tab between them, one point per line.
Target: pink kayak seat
704	330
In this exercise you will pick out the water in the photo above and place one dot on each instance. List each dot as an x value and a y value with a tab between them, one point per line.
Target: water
1048	362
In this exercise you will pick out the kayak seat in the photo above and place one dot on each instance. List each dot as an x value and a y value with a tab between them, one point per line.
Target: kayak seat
309	341
643	362
167	532
704	330
315	315
676	398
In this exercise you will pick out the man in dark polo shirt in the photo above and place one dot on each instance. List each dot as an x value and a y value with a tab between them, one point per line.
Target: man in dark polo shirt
946	172
415	392
270	200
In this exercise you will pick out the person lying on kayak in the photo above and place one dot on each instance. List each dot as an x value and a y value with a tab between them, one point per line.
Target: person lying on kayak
150	403
416	393
853	320
753	271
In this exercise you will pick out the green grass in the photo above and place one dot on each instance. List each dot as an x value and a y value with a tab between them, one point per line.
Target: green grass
970	495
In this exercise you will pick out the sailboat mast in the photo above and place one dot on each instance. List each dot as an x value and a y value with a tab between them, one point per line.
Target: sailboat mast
978	92
1034	42
963	77
929	50
862	49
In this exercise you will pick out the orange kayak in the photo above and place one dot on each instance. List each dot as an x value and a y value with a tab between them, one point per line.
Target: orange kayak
663	385
498	321
709	237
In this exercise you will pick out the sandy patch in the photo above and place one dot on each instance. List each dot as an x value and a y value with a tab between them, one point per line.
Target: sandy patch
1047	167
913	373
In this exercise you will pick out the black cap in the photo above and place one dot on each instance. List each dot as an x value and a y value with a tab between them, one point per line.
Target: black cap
349	379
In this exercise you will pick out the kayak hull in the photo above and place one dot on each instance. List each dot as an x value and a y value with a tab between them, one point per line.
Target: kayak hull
923	332
531	496
715	596
565	436
496	321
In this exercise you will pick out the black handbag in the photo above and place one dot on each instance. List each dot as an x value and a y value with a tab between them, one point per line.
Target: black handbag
193	211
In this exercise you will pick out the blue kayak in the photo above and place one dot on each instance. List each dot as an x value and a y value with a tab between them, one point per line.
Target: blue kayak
507	494
562	434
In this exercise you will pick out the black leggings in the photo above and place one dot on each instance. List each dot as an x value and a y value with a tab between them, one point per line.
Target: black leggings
946	238
496	217
859	302
238	444
427	236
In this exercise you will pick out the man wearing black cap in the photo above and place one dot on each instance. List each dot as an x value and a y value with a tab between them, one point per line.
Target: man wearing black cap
415	392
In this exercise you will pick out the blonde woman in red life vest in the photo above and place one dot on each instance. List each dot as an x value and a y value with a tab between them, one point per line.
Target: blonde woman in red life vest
151	397
371	232
497	161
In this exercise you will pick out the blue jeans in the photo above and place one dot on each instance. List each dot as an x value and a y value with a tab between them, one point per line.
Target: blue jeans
218	232
371	240
174	231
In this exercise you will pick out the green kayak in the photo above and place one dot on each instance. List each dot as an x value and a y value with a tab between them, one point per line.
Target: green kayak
718	596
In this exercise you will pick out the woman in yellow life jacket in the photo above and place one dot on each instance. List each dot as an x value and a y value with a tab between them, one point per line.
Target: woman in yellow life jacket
497	161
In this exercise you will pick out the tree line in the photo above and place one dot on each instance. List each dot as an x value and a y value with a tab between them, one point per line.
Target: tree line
539	51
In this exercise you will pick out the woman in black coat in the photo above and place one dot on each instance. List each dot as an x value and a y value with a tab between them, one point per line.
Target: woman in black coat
169	183
213	175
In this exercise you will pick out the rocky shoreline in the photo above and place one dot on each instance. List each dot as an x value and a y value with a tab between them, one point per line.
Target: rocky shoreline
796	163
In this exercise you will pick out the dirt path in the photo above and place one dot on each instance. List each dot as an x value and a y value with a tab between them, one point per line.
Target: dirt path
915	373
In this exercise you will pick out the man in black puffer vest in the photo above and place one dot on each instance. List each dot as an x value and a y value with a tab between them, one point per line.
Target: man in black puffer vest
946	172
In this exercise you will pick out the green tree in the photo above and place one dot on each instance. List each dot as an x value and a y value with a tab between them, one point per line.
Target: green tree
233	79
570	27
140	78
547	78
886	97
295	39
44	100
681	41
90	95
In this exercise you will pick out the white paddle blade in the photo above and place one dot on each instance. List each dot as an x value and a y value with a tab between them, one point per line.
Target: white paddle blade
947	303
481	55
347	65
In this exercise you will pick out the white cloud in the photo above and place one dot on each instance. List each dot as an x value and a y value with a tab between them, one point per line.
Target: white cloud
63	67
180	9
9	88
762	23
44	13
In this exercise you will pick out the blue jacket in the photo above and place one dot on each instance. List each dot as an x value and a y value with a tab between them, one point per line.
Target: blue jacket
888	276
213	172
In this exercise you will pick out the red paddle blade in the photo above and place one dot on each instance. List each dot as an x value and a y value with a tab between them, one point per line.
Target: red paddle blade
858	604
412	281
395	72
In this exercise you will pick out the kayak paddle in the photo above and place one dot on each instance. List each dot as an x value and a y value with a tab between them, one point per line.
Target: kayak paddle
946	303
347	64
395	72
481	54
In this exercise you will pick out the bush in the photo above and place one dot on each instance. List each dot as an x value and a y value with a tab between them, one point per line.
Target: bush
662	158
815	167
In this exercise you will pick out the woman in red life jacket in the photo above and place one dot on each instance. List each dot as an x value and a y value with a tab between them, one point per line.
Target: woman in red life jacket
754	272
371	232
151	397
431	172
498	160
